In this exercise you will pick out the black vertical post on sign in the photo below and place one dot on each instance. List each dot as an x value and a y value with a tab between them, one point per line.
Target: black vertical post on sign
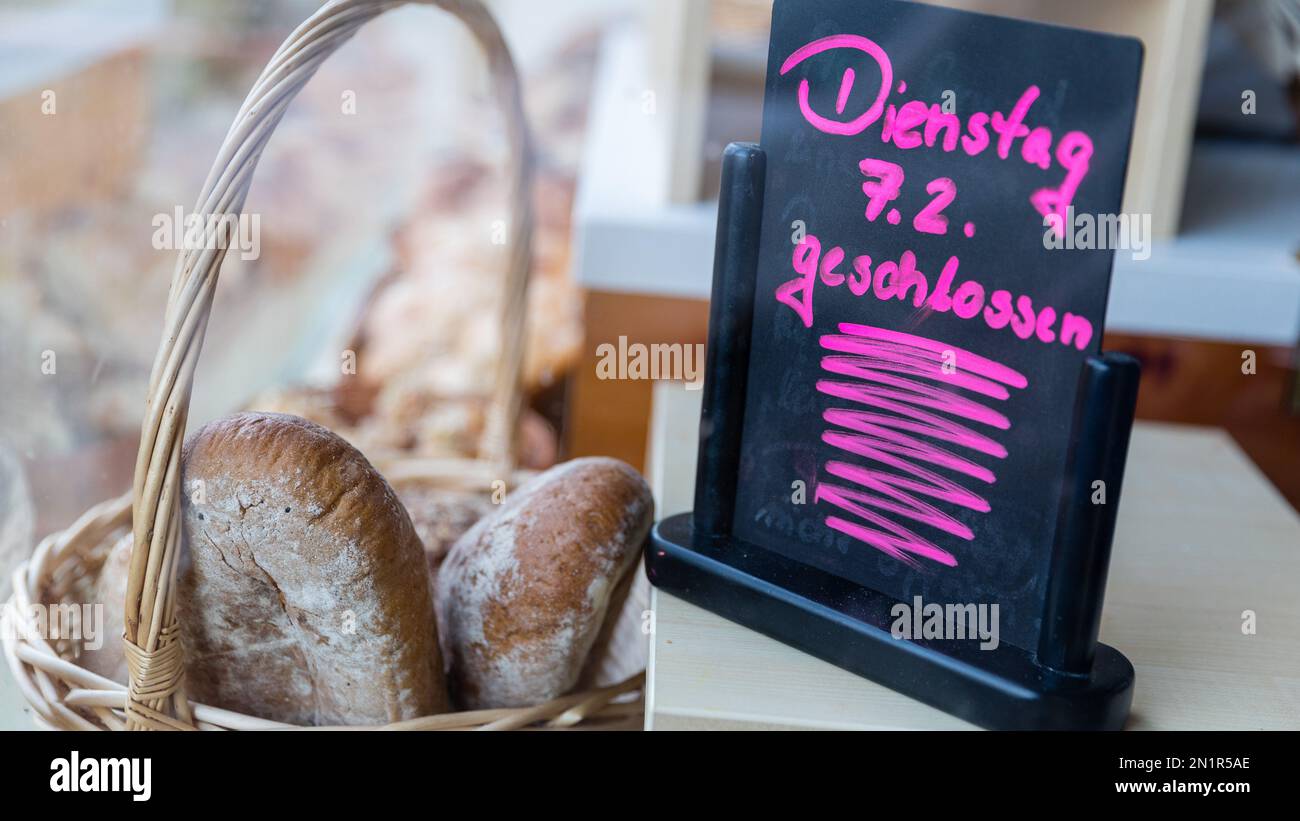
731	317
1103	420
1069	682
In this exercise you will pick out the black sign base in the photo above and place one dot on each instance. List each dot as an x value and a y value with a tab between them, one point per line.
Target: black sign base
1069	681
849	626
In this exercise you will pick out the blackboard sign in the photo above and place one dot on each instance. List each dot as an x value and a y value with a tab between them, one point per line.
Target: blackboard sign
905	408
921	317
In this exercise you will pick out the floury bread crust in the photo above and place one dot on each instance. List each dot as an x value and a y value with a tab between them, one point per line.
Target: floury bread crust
305	597
523	595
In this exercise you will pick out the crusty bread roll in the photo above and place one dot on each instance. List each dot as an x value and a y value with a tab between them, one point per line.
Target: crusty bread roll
523	595
305	598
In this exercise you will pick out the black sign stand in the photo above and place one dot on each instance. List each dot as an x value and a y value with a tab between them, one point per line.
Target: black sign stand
1070	681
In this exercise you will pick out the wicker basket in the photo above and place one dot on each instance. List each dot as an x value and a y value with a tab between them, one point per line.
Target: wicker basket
67	696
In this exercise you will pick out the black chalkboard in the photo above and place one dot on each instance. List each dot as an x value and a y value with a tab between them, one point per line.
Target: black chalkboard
905	400
916	346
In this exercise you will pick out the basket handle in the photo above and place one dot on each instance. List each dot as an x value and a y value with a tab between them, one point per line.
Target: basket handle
155	697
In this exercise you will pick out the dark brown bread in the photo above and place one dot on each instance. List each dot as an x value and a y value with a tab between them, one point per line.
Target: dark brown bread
305	596
523	595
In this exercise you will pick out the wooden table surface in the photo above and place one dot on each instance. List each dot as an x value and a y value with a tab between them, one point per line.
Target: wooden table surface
1202	537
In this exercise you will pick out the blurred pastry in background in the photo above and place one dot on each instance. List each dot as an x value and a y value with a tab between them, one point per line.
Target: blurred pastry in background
441	516
17	517
407	421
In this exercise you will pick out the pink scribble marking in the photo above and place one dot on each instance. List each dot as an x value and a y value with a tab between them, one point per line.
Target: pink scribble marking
910	386
966	360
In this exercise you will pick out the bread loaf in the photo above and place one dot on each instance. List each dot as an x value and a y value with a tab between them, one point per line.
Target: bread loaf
305	597
523	595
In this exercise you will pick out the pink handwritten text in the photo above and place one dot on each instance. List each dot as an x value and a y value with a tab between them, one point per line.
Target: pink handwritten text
901	280
916	123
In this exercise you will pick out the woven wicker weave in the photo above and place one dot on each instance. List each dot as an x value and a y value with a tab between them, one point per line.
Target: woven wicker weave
67	696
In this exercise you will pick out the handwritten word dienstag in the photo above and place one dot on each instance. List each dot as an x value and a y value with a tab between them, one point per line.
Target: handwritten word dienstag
901	280
917	123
